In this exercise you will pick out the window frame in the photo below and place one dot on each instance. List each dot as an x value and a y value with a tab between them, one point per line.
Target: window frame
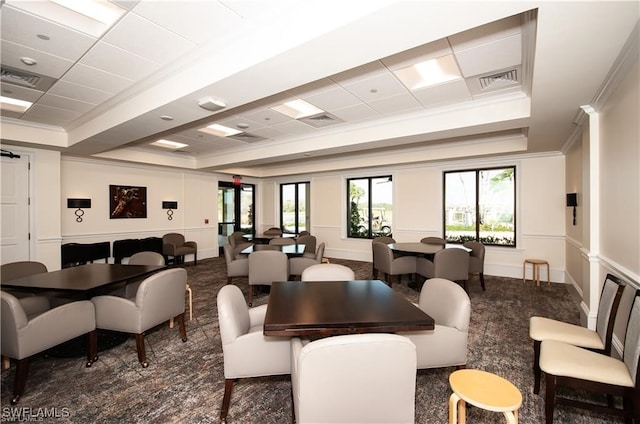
478	221
369	231
296	204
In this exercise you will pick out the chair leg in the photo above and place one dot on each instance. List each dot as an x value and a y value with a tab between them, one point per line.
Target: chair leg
549	397
537	372
226	399
250	295
229	280
22	369
195	259
142	354
182	327
92	347
482	281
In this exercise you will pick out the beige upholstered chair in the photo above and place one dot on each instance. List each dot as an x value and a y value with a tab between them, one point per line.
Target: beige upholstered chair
328	272
451	264
309	245
273	231
15	270
476	260
304	233
383	261
298	265
141	258
541	328
265	267
450	307
236	266
433	240
160	297
381	239
24	336
246	351
357	378
175	246
282	241
567	365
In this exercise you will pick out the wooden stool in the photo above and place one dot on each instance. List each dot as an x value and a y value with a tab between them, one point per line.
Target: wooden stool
483	390
537	263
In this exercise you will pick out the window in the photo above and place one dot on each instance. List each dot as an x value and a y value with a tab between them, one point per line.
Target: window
479	204
369	210
294	207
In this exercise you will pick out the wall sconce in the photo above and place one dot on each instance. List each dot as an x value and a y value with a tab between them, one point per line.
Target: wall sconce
79	204
169	205
572	201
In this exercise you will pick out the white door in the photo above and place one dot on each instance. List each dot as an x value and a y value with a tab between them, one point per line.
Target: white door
14	209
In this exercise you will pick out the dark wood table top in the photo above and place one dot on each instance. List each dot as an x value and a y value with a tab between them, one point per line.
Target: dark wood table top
419	248
264	238
289	249
299	308
83	278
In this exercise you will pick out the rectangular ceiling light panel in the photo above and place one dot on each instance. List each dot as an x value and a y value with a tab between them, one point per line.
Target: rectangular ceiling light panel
297	109
429	73
14	105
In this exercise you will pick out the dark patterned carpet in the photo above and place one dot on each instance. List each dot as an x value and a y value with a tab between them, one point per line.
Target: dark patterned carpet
184	382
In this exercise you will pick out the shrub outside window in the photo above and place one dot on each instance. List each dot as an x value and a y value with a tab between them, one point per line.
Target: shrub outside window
369	207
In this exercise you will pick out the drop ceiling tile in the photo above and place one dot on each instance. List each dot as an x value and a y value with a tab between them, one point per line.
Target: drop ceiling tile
437	95
499	54
49	65
233	121
79	92
332	99
396	104
21	93
95	78
50	115
419	54
146	39
23	28
369	70
268	132
265	116
199	20
485	34
117	61
65	103
359	112
294	127
372	89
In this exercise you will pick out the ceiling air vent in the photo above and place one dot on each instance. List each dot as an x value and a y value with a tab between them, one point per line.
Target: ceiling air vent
246	137
321	120
25	79
499	80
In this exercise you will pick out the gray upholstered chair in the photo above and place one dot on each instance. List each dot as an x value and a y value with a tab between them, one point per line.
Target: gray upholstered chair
383	261
238	242
328	272
433	240
246	351
273	231
569	366
282	241
141	258
598	339
297	265
236	266
175	246
265	267
26	335
309	242
450	307
476	260
381	239
451	264
15	270
160	297
356	378
304	233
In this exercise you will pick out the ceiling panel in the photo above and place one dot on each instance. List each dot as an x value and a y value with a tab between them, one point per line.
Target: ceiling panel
47	64
65	103
120	62
98	79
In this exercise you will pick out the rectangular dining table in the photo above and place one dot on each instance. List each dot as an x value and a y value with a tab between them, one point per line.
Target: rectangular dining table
329	308
290	250
82	281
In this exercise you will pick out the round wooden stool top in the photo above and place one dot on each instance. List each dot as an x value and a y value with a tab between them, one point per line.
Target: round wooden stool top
485	390
536	261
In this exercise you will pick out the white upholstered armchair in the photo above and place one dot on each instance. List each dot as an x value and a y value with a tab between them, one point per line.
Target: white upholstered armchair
246	351
450	307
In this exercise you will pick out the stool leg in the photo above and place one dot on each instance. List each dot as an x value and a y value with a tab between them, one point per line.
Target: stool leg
190	302
548	279
453	408
511	416
536	274
524	270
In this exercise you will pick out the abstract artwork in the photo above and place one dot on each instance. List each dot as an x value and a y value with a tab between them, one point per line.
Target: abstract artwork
127	202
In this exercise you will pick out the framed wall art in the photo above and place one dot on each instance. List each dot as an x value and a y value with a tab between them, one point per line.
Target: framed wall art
127	202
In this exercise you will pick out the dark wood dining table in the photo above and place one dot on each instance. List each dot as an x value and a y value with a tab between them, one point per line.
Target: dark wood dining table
82	281
329	308
291	250
265	238
418	248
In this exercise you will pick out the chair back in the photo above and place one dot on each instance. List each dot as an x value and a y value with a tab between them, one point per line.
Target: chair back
236	238
309	243
357	378
476	256
328	272
607	309
229	253
173	238
452	264
160	296
146	258
282	241
267	266
631	355
15	270
383	239
433	240
304	233
320	252
273	231
446	302
233	314
382	257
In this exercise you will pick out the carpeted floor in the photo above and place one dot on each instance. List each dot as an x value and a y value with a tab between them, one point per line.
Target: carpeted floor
184	382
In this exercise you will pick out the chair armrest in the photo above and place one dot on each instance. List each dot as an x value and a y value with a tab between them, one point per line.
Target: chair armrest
256	315
191	244
115	313
169	249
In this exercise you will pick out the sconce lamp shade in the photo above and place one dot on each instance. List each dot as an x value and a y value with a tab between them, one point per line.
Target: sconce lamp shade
79	203
572	199
169	205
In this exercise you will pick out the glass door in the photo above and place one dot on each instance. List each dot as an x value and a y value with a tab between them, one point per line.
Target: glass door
235	210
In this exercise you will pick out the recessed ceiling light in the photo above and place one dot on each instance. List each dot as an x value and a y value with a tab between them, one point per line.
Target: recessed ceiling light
297	109
430	72
168	144
242	126
28	61
14	105
166	118
43	37
98	10
220	130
